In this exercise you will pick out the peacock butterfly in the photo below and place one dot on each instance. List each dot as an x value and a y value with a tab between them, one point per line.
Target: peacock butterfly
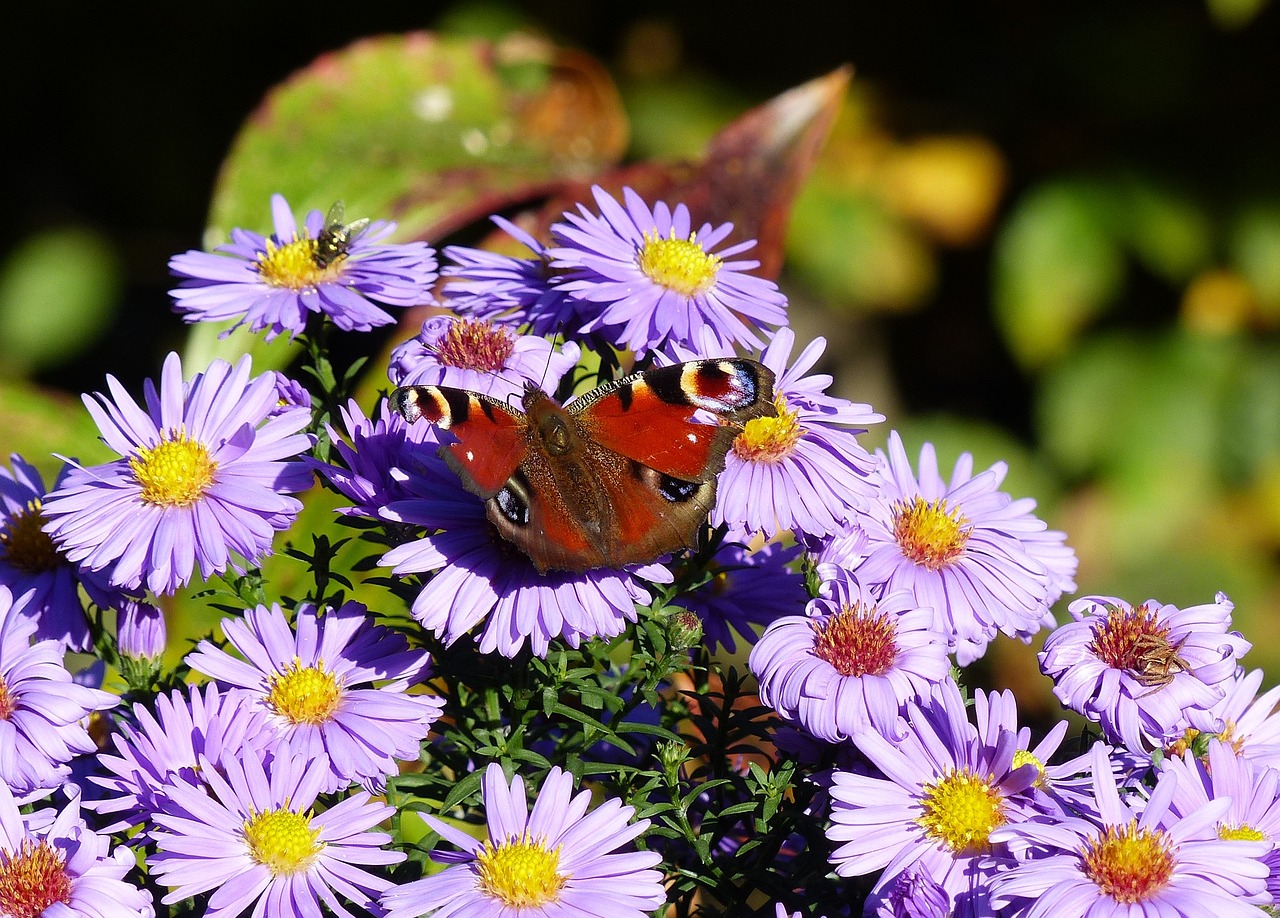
620	475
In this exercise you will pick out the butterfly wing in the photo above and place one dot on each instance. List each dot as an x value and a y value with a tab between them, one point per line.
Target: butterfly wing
492	439
650	417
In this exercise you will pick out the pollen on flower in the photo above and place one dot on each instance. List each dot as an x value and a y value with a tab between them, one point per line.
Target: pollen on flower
32	879
24	545
1228	832
476	344
8	704
1027	757
304	694
681	265
294	265
176	472
857	641
1129	864
282	841
961	810
769	439
520	872
929	533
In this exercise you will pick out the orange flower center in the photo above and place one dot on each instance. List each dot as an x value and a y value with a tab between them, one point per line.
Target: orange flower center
857	641
476	344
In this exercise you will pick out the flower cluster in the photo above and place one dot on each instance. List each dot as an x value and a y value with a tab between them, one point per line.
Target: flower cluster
468	656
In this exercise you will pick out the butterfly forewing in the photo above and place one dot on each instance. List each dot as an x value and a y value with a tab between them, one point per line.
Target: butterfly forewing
650	417
492	438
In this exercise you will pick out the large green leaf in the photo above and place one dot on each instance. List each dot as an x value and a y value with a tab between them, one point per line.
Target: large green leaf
430	130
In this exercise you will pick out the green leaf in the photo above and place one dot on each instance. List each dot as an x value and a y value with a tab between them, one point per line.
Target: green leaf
36	423
58	291
1057	266
1255	251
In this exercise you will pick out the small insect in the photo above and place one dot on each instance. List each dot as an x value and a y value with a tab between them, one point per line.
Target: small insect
1157	661
336	237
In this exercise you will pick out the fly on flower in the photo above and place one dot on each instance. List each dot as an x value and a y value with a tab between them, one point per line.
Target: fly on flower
335	239
343	271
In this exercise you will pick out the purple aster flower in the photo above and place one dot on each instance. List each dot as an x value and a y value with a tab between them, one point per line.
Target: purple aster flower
1137	671
1059	788
960	547
803	470
1149	862
382	447
557	861
914	894
30	561
477	355
850	663
646	278
503	288
157	750
317	686
478	576
843	550
746	589
943	792
202	474
290	393
140	630
780	911
1247	721
275	283
58	868
1254	792
252	836
43	712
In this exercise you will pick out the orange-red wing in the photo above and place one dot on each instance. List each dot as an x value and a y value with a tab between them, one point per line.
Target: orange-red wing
649	417
492	439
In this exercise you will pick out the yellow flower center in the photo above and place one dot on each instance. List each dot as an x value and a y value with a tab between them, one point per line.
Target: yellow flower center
678	264
1129	864
961	810
282	841
521	872
295	265
769	439
857	641
1026	757
476	344
1228	832
1229	735
24	546
304	694
176	472
928	533
32	879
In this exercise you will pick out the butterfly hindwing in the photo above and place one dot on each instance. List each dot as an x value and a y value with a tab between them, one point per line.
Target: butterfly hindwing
650	416
492	439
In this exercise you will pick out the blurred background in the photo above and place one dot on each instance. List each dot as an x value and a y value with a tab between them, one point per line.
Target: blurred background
1044	234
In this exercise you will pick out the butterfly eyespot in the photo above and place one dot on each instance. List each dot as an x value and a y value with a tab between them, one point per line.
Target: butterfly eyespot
677	491
512	508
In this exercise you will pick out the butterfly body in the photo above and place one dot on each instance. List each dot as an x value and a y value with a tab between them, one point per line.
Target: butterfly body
619	476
